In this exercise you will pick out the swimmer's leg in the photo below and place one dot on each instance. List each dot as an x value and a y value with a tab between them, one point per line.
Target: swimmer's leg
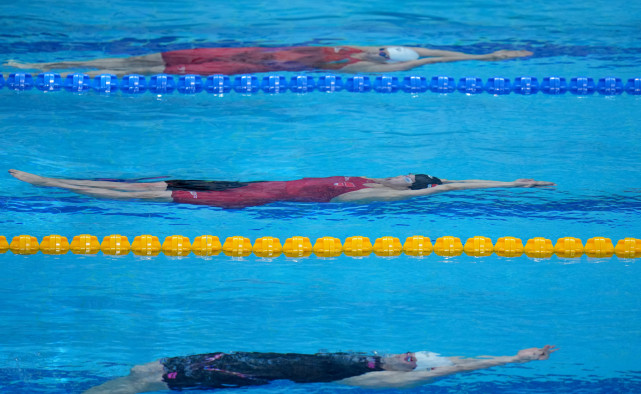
142	378
146	64
38	180
160	196
157	194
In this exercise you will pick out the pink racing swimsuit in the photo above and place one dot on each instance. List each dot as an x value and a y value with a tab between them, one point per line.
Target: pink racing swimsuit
261	193
229	61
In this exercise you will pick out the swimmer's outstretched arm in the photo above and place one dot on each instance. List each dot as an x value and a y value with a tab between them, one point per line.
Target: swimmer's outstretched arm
479	180
436	57
426	52
383	194
390	379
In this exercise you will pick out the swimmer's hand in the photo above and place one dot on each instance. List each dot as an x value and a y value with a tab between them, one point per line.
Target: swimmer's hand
523	182
535	353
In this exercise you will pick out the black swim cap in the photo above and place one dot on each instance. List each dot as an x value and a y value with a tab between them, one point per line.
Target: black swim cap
423	181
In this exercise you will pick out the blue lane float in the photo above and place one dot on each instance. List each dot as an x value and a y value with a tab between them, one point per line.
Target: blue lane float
49	82
20	81
498	86
330	83
554	85
133	84
414	84
105	83
162	84
218	84
470	85
633	86
358	84
246	84
275	84
302	84
582	86
526	85
442	84
190	84
610	86
386	84
77	83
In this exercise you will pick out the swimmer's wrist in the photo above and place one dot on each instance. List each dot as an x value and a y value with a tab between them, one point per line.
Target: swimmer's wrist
523	358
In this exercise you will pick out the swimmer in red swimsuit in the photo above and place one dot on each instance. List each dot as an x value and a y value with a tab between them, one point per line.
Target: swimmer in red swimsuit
206	61
242	369
245	194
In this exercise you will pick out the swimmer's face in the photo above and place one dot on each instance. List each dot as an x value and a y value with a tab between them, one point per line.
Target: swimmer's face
400	182
400	362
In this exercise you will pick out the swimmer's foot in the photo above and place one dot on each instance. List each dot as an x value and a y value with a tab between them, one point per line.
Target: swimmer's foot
504	55
523	182
24	66
34	179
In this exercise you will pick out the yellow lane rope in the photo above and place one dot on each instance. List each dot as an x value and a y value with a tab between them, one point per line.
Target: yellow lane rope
296	247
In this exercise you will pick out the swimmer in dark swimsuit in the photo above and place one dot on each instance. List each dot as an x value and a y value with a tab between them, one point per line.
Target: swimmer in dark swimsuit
231	370
244	194
206	61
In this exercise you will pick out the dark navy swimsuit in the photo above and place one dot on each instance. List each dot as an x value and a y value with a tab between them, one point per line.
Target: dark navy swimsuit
225	370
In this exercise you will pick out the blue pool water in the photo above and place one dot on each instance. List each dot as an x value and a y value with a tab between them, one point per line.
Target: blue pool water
70	322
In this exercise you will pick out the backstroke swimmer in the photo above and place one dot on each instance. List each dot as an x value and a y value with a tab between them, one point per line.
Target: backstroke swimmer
227	194
240	369
206	61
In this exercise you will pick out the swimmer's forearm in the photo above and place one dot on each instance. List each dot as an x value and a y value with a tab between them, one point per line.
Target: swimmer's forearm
370	195
466	365
395	379
436	52
452	186
492	184
465	180
422	52
472	364
404	66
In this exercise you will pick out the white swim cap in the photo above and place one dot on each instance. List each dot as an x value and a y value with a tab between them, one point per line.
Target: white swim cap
429	360
401	54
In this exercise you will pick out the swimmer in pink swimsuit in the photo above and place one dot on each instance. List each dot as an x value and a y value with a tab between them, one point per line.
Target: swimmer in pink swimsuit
226	194
261	193
229	61
206	61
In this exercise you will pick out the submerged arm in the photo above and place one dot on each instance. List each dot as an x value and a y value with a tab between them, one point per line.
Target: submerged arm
415	378
433	56
385	194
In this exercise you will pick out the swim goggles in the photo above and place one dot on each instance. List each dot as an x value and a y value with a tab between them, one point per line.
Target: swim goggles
382	53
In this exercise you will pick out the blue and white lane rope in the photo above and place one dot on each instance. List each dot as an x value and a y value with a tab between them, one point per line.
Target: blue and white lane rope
275	84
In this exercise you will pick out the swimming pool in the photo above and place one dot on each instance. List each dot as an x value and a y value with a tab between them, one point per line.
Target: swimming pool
74	321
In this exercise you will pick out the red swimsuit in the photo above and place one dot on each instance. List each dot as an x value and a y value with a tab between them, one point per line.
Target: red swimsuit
261	193
229	61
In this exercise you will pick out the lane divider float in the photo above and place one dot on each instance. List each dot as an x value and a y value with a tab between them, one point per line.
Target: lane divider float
324	247
275	84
